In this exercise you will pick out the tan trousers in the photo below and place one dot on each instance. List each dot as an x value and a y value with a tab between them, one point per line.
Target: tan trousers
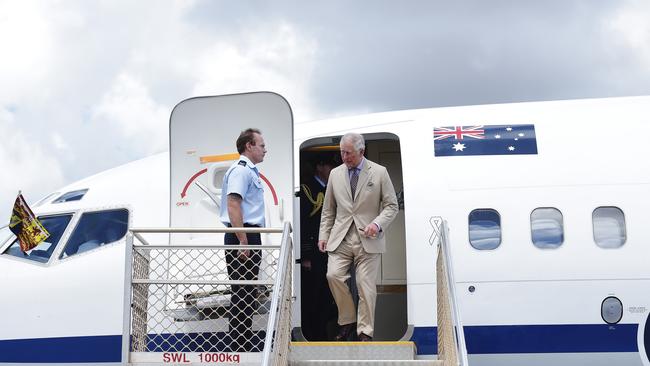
367	268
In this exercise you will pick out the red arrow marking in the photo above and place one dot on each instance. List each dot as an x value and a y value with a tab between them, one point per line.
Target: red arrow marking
275	197
187	185
268	183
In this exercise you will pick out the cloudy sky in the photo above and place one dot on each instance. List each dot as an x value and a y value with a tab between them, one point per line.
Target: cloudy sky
89	85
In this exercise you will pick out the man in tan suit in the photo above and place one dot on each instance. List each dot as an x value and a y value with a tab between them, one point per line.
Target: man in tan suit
359	205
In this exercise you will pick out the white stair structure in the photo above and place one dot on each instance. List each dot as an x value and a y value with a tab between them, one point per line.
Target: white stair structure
151	336
451	341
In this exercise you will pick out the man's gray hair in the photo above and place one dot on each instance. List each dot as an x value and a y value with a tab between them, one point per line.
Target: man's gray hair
356	139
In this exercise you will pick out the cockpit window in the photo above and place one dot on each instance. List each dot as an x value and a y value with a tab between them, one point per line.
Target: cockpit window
55	225
96	229
71	196
46	199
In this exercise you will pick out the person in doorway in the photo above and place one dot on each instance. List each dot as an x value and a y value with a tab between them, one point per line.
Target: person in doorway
242	205
318	306
360	203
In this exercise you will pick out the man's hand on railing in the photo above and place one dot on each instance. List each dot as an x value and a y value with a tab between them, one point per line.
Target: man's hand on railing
243	254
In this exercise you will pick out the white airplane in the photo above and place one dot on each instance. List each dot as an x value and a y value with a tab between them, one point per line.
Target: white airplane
547	204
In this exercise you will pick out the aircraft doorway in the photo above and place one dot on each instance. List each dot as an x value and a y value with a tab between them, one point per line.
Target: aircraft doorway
318	310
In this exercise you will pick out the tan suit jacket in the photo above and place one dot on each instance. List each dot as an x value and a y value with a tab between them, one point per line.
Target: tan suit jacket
374	201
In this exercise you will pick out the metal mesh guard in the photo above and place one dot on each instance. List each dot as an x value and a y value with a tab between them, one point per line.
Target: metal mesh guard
201	300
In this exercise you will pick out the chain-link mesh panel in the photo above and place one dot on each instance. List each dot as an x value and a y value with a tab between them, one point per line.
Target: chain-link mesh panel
139	304
446	338
201	299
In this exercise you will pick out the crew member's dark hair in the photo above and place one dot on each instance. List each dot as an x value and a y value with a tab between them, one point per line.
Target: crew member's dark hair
246	136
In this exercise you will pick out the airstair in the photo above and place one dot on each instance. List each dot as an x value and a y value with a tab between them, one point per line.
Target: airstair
451	341
178	302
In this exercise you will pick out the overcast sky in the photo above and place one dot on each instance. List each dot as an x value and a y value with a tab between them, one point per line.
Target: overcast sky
89	85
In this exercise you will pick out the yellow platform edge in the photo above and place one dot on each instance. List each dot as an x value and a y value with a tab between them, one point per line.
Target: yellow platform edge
373	343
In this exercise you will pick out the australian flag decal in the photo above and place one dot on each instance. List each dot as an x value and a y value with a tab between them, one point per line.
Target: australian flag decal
484	140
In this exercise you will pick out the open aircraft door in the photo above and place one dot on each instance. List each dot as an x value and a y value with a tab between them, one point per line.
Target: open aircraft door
203	134
203	131
190	300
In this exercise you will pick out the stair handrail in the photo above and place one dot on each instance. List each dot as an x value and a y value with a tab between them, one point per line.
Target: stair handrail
450	326
276	343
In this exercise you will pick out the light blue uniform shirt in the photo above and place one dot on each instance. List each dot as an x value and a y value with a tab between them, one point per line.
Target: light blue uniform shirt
243	178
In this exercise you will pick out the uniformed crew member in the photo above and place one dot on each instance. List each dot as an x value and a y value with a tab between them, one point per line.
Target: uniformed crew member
318	307
242	205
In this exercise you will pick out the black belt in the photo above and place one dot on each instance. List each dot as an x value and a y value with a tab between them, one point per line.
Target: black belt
245	225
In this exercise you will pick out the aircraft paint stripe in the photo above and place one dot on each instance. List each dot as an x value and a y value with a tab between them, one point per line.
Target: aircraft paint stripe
500	339
62	350
564	338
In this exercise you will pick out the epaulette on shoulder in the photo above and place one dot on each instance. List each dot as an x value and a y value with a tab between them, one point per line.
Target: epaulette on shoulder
242	163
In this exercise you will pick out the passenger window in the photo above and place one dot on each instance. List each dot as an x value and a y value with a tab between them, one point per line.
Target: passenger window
71	196
96	229
55	225
484	229
547	227
609	227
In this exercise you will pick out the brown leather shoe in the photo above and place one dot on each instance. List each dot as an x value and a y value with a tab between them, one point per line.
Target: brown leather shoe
346	332
364	338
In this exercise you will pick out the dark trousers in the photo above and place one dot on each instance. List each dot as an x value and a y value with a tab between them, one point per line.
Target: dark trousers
243	298
318	306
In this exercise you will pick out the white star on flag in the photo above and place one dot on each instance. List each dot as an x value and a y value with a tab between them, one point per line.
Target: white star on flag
511	148
458	146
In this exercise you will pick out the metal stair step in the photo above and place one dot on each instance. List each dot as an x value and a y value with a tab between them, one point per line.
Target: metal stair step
323	351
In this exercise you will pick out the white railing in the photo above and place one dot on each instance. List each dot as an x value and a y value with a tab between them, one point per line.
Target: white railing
278	335
451	338
180	300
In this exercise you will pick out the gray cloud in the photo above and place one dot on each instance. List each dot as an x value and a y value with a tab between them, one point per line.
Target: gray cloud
399	55
86	81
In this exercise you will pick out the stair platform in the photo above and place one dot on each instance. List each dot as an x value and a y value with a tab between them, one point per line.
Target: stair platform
355	353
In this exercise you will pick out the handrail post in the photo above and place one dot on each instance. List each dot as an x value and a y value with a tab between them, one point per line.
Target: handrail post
128	268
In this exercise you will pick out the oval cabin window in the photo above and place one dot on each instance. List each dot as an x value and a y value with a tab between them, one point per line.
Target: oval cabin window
484	229
609	227
547	227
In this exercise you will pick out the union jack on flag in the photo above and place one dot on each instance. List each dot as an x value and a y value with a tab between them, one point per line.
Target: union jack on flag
458	132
